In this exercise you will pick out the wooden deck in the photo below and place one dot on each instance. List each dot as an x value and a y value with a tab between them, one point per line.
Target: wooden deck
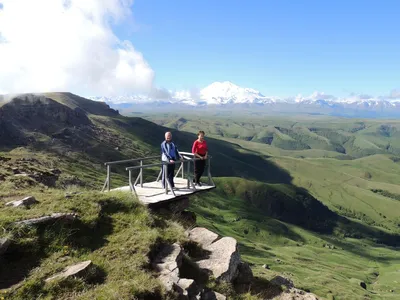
152	192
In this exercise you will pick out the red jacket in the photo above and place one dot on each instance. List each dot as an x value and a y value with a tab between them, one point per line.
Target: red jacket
200	148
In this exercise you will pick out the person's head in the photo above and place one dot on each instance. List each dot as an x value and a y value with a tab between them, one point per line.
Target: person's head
168	136
200	135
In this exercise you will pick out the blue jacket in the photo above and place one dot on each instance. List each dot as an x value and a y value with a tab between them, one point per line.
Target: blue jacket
169	151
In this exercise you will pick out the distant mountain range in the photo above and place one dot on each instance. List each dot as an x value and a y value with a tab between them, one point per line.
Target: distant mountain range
226	95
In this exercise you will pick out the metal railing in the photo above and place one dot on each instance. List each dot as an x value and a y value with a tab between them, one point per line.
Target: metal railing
188	159
107	183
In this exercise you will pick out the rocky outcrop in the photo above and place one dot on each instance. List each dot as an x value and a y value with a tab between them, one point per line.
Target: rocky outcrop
77	270
167	263
26	202
51	218
224	261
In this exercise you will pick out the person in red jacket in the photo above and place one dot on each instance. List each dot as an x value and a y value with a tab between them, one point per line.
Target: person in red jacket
200	150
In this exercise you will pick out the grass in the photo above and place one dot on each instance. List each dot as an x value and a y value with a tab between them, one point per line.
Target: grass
325	264
315	198
114	231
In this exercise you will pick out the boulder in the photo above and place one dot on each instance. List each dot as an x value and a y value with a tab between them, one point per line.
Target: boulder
27	201
77	270
45	219
202	236
211	295
223	261
4	243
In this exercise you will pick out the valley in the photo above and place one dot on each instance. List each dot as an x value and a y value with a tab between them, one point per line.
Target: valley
310	198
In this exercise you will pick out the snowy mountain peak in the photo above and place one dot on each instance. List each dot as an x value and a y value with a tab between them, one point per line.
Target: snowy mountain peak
228	92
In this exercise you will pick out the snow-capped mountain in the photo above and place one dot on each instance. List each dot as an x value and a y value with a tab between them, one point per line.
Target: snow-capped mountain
228	95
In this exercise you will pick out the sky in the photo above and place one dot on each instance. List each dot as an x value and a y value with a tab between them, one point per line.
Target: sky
281	48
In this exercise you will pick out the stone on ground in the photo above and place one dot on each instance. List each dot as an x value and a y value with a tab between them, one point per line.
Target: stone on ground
45	219
27	201
75	270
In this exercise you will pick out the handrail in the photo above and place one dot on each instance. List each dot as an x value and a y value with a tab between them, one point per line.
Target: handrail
130	160
163	165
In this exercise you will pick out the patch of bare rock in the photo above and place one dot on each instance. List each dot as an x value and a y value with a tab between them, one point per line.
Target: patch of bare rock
219	259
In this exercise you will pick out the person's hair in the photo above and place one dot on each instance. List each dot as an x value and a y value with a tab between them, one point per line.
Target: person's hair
201	132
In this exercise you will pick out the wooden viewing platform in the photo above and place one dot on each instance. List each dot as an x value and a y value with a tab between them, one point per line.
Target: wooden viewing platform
152	192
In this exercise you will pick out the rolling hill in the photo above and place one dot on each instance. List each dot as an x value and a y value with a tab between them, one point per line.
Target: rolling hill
314	199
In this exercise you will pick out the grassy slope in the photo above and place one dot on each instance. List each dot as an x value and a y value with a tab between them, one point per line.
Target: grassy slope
344	186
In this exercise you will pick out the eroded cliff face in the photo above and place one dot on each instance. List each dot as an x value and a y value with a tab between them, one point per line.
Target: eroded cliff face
31	113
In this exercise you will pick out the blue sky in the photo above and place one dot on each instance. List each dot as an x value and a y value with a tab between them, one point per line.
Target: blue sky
281	48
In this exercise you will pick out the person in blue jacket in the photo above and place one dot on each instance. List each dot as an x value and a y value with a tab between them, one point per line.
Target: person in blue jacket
169	153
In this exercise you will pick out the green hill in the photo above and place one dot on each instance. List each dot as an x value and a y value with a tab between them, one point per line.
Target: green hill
314	199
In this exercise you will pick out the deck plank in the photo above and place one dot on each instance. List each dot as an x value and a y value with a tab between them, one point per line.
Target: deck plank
152	192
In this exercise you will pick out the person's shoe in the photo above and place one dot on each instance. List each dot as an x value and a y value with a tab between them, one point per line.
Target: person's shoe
198	184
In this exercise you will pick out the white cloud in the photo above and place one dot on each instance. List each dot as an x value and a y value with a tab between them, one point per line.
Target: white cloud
69	45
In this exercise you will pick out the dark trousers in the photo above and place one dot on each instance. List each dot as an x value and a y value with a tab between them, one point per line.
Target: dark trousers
170	175
199	166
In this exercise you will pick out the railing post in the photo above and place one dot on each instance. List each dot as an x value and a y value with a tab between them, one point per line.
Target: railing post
209	171
165	178
141	174
108	177
159	174
130	179
188	174
183	168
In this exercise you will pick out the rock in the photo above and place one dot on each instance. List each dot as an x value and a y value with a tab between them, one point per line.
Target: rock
295	294
170	281
45	219
167	263
363	285
168	259
4	243
245	274
202	236
266	267
189	287
211	295
27	201
75	270
279	280
223	261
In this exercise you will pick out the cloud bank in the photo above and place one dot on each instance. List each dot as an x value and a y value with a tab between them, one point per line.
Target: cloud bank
69	45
